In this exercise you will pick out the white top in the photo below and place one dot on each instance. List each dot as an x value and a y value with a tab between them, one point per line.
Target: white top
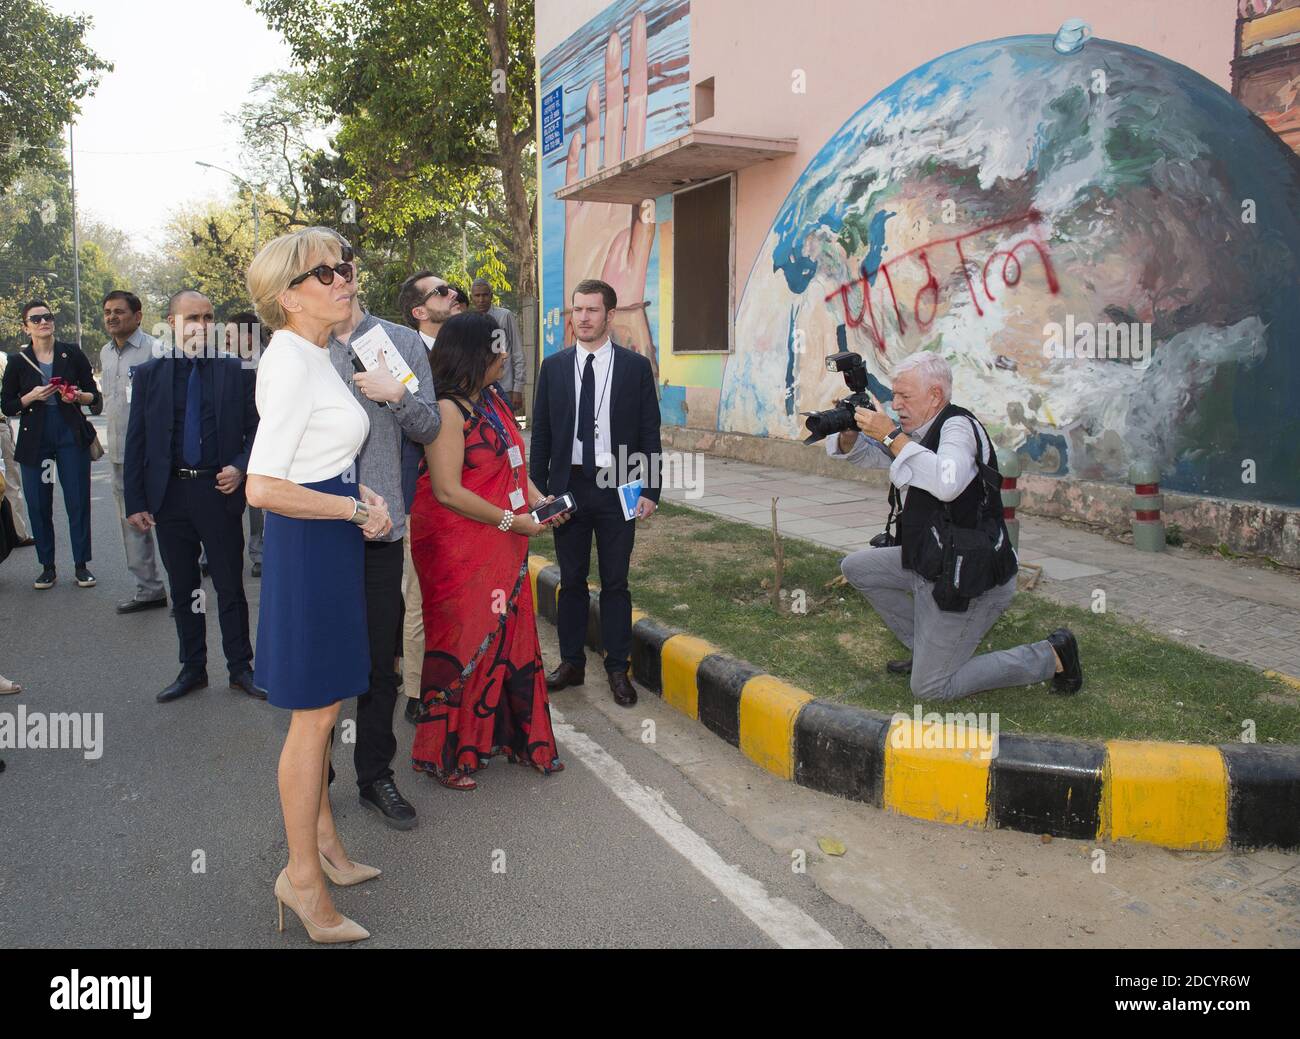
945	473
604	376
310	426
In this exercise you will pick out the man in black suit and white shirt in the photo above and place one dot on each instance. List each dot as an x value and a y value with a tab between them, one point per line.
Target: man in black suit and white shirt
596	426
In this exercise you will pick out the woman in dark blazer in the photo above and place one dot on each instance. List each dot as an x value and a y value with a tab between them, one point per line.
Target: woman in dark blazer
48	383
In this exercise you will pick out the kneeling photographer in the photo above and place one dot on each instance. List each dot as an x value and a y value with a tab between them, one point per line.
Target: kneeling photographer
949	571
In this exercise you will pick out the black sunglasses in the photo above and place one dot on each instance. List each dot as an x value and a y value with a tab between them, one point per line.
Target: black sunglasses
37	319
325	273
441	290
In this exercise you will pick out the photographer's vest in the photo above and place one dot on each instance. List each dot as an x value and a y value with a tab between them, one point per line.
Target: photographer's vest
922	510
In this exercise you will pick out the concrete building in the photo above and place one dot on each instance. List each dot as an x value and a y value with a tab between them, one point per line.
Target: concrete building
1064	199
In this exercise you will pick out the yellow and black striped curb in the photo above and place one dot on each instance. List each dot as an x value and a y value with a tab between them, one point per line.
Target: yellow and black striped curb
1175	795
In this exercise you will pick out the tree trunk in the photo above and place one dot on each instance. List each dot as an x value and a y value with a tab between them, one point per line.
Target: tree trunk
511	152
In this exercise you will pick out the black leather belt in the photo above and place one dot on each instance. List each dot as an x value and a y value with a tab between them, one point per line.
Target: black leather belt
192	474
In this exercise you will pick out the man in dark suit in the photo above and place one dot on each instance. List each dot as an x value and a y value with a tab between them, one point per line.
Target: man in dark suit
193	418
595	427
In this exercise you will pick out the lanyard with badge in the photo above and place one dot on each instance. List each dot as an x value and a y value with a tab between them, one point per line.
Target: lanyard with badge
604	459
515	455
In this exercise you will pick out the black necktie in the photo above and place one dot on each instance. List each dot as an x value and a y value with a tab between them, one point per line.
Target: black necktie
587	419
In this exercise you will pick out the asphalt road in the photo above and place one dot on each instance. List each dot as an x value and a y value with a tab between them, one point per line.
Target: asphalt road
173	838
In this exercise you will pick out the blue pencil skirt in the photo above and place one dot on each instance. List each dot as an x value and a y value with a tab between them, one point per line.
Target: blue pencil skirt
312	646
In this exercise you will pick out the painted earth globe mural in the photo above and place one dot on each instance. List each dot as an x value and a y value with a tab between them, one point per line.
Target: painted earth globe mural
1102	243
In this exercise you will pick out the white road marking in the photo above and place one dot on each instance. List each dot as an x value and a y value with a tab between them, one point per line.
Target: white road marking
782	921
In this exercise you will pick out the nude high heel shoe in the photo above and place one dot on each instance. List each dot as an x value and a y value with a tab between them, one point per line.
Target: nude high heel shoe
346	878
344	931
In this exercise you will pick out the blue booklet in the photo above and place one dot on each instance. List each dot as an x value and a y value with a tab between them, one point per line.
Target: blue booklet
628	495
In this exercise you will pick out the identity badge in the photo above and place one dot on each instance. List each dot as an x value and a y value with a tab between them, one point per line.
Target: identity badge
516	457
517	498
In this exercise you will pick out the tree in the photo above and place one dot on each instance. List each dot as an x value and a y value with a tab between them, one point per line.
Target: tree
36	255
427	110
47	69
209	247
278	128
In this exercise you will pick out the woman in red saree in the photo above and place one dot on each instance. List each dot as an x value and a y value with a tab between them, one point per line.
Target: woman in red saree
482	687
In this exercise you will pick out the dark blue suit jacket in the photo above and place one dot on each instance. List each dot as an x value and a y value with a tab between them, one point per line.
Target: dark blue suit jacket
633	417
147	455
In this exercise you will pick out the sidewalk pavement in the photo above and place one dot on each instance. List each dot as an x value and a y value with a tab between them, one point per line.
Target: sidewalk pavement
1229	608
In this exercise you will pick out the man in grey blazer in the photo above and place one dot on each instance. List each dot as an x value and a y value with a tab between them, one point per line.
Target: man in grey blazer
396	414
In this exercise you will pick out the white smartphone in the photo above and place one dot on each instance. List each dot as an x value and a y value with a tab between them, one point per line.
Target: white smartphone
564	503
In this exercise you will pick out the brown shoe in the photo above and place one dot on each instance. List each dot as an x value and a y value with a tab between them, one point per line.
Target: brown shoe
624	690
564	676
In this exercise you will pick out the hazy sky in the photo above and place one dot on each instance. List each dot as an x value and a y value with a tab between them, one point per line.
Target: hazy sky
181	66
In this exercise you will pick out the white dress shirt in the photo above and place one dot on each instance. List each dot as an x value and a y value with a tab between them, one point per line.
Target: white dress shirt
310	426
604	376
945	473
429	340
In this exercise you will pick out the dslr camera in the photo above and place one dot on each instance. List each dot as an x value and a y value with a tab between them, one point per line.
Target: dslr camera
836	420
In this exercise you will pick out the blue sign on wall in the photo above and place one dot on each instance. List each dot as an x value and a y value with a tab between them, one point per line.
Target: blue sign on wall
552	120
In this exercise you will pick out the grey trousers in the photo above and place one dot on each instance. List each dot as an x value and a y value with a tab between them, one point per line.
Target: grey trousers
13	480
139	547
256	527
943	644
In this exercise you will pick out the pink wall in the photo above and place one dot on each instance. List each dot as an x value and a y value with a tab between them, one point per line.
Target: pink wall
851	49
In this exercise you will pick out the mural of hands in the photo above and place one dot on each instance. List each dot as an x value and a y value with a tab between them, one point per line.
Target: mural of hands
606	240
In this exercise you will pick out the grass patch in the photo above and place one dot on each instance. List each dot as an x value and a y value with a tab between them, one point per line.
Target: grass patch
705	574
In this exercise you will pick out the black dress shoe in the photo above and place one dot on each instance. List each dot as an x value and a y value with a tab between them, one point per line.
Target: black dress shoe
565	675
382	796
85	579
136	605
412	710
45	579
899	667
186	683
244	681
1069	680
624	690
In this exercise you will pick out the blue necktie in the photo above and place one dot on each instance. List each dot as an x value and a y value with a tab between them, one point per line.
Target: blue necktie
192	445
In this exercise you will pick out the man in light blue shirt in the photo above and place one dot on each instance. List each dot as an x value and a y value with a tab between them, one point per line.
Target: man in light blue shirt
128	347
512	382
